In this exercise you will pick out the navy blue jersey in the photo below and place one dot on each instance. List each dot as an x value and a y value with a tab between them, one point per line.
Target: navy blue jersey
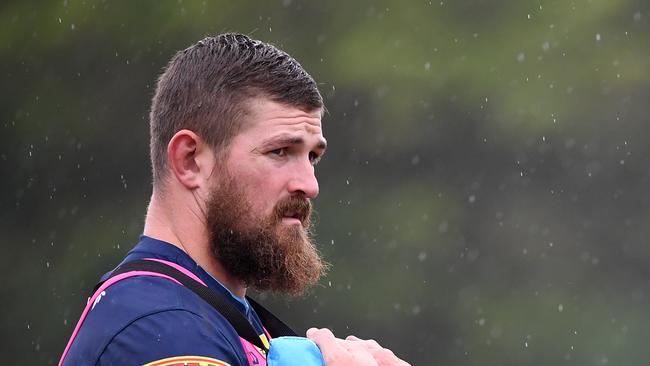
152	320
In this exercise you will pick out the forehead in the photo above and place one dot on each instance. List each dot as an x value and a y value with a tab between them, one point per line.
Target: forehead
266	116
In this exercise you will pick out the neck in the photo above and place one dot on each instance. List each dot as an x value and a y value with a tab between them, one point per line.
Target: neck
184	227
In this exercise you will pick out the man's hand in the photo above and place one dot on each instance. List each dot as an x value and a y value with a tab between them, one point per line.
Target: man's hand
337	353
383	356
352	350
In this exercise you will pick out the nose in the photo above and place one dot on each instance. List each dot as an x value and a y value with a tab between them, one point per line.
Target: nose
304	181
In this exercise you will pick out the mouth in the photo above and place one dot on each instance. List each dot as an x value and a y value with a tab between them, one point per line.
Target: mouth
291	221
292	218
294	210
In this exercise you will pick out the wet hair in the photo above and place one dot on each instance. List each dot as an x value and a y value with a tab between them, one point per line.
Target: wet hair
205	88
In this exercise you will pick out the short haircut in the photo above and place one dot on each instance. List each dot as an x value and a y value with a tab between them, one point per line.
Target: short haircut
205	88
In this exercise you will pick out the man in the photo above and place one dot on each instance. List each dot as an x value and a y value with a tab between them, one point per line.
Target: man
235	135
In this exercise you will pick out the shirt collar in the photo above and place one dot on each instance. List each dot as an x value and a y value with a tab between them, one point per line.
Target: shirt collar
149	247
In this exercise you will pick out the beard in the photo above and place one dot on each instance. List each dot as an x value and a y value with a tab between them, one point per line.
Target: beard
261	251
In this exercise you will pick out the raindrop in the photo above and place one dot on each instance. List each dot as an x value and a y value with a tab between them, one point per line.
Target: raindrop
123	179
521	57
416	310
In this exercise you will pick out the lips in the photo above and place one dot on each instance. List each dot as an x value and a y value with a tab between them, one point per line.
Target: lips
294	207
295	215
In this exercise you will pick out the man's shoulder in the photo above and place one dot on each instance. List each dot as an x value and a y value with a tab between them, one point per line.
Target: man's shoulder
172	335
148	318
139	295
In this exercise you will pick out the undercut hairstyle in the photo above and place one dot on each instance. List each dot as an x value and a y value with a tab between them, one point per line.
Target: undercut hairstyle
205	88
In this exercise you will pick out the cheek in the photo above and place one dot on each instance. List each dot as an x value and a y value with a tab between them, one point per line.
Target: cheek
262	175
263	180
269	193
264	189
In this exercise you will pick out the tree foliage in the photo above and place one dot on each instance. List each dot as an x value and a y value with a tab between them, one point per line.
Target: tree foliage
484	199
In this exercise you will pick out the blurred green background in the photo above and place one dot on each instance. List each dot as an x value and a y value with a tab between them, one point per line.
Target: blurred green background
484	200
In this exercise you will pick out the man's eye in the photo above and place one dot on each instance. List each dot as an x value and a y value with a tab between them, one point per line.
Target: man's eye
279	152
314	158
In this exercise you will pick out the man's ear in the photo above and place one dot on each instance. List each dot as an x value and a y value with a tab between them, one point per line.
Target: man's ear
186	157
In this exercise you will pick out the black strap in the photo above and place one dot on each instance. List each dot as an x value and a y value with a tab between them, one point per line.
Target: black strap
242	326
275	326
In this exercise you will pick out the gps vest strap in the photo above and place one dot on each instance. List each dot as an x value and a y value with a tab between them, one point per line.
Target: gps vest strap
173	272
243	327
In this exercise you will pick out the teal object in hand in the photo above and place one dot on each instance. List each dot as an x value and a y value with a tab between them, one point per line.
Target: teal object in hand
294	351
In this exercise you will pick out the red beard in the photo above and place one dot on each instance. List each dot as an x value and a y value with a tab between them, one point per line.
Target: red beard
262	252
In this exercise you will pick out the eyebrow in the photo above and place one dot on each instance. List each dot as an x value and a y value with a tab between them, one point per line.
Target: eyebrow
286	139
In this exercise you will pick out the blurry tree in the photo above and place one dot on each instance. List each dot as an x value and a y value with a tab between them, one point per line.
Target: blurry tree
483	201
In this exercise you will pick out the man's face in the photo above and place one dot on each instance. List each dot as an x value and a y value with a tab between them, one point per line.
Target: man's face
258	215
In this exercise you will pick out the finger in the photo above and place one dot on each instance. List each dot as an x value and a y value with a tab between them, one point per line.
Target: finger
372	344
386	357
355	346
324	339
311	331
369	343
